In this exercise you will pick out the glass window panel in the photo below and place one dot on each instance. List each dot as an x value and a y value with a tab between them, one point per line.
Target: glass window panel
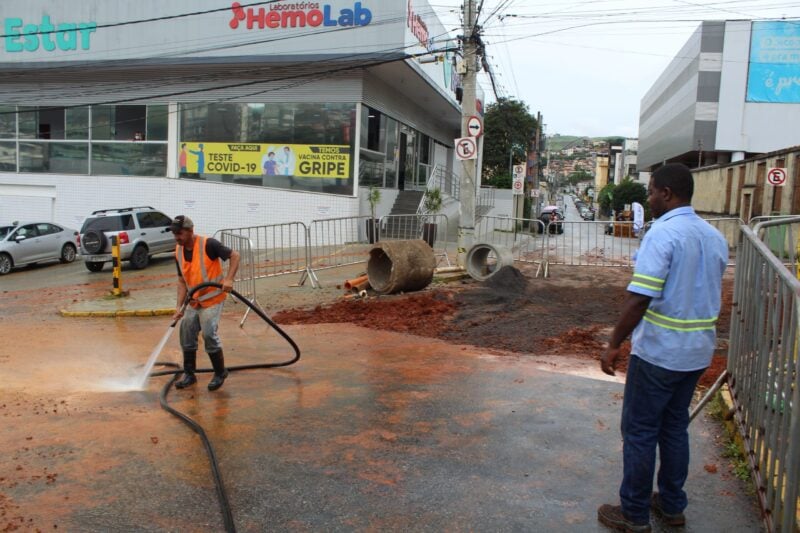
119	123
8	156
77	123
102	120
371	167
425	149
51	123
28	122
391	139
67	158
277	125
124	159
365	113
8	122
157	123
131	122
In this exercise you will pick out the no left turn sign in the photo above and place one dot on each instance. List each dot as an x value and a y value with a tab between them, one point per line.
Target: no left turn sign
776	176
466	148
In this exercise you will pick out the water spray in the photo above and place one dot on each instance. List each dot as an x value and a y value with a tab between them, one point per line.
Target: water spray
225	508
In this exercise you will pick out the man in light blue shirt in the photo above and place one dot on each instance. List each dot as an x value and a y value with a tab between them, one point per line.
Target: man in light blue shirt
672	309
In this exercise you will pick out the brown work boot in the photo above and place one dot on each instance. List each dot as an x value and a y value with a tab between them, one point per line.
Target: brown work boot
613	517
674	520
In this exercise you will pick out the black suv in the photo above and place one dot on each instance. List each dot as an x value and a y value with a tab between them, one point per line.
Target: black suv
142	231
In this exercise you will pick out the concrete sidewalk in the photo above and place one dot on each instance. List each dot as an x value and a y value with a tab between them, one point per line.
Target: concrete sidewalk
272	293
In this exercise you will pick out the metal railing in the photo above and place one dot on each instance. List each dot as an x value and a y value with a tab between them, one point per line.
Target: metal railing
486	197
525	237
278	249
445	181
763	369
244	282
591	243
433	229
781	235
336	242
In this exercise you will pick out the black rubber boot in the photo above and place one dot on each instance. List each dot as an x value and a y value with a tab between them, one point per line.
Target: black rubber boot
218	362
189	366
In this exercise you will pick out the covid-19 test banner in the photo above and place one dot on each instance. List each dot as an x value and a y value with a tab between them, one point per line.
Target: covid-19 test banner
249	159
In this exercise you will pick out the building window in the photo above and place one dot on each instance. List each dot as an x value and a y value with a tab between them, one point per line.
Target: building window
115	140
283	145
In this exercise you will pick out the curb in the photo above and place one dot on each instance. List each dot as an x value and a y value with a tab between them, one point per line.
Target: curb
117	314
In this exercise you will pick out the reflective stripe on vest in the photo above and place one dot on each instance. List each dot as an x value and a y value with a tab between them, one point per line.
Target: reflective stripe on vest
199	254
677	324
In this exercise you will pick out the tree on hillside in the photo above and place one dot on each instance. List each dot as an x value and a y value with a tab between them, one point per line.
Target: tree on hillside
509	127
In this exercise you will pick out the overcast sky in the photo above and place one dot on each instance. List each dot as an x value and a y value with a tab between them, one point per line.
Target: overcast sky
590	80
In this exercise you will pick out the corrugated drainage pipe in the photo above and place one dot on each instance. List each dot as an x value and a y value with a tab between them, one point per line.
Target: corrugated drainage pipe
400	266
483	260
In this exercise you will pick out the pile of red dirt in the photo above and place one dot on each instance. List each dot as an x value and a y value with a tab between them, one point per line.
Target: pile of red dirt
571	316
424	314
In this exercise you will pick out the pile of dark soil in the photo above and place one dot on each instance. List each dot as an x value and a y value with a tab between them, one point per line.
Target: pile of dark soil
508	279
570	314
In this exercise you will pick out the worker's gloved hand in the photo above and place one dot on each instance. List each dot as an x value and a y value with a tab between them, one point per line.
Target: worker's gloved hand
227	285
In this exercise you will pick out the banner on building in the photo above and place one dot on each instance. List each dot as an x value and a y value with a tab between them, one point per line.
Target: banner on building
774	75
248	159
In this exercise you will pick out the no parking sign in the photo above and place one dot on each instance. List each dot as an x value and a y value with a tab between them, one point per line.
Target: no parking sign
776	177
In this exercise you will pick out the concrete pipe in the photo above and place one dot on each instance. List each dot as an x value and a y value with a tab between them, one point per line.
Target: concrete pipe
400	266
480	266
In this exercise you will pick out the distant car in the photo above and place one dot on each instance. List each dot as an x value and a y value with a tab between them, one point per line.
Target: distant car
142	231
28	243
551	215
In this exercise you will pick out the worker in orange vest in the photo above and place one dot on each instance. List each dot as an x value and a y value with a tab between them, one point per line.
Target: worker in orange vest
199	259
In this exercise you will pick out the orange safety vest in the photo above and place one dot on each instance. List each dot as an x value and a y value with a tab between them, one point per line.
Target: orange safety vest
199	270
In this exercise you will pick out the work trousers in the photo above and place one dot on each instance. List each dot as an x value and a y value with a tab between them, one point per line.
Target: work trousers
655	413
205	319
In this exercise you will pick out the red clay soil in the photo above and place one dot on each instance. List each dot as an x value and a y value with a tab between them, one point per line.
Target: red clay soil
570	316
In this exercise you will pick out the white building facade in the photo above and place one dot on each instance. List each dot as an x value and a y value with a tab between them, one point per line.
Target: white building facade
733	90
234	115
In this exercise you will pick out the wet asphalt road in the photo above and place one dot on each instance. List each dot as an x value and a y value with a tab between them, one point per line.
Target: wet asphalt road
55	274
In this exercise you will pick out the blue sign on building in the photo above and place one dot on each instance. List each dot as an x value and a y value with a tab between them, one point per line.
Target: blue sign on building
774	75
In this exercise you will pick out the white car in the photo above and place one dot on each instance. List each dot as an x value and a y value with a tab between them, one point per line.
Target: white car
35	242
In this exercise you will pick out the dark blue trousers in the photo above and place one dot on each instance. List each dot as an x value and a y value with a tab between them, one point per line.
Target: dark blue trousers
655	412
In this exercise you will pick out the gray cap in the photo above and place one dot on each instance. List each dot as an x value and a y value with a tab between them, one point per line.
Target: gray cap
181	222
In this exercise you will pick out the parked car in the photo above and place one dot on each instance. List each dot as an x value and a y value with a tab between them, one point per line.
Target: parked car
34	242
551	214
142	231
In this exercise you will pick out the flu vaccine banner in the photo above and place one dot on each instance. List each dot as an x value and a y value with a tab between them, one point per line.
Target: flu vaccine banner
298	160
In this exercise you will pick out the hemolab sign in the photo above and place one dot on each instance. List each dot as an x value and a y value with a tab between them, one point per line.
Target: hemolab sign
299	15
20	36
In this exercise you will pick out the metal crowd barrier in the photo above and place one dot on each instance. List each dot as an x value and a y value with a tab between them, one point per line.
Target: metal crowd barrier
430	228
763	369
525	237
278	249
244	282
337	242
591	243
781	235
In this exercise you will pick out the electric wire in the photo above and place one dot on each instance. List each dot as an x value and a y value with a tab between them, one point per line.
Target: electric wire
222	495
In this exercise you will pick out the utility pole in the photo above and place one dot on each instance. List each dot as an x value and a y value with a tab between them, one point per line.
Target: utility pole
466	221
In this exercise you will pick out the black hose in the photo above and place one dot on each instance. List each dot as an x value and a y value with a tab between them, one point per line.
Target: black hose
222	495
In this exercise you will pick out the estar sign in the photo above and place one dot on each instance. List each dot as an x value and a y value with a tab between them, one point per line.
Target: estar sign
20	36
299	15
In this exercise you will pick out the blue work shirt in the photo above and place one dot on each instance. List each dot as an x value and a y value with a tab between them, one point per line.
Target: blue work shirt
679	265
